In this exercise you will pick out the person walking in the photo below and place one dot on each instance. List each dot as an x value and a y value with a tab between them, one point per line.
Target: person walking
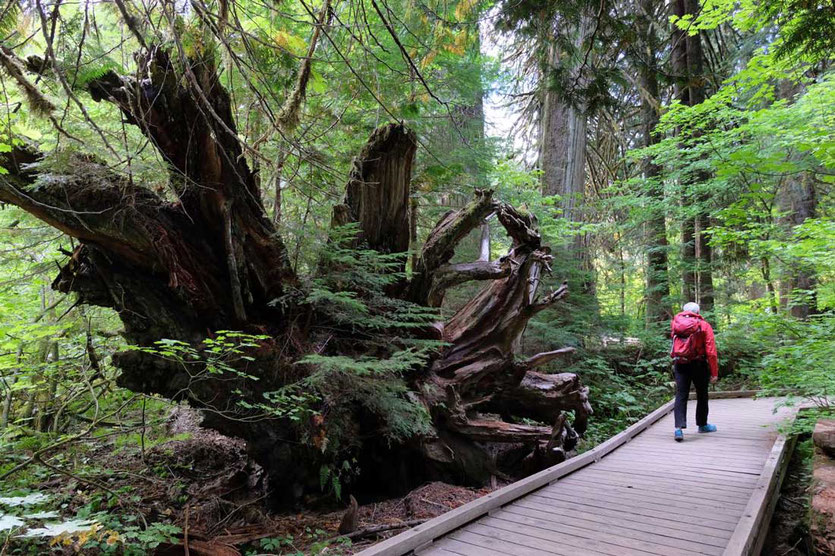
694	360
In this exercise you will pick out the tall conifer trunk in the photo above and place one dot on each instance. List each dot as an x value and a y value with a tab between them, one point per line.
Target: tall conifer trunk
657	285
563	139
687	62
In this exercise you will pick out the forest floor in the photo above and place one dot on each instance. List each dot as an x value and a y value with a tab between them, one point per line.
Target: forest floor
209	494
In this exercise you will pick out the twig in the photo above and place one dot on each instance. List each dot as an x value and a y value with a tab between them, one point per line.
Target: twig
76	477
185	532
446	508
37	455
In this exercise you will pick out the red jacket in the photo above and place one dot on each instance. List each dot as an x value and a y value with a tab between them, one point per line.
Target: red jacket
710	340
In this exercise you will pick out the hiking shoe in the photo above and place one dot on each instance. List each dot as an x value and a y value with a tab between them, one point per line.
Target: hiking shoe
707	428
679	436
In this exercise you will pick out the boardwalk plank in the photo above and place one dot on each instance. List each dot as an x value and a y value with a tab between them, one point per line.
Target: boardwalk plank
709	491
487	538
659	539
563	533
635	495
673	473
438	551
686	511
453	546
604	516
699	464
535	538
665	484
635	508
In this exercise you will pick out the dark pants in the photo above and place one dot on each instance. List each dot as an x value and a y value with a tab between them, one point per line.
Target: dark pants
698	373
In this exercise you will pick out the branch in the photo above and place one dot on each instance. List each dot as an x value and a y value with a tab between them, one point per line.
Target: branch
490	430
288	118
451	275
453	227
439	247
129	226
131	22
546	357
520	225
14	67
549	299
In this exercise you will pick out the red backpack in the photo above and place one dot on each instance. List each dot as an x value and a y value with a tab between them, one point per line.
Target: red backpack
688	338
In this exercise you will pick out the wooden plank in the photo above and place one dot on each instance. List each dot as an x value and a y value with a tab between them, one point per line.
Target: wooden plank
755	440
750	531
735	481
539	538
697	496
656	467
569	535
492	540
437	527
731	509
702	443
437	551
699	454
699	490
725	394
674	476
685	463
666	538
699	464
684	509
633	508
460	548
638	522
706	464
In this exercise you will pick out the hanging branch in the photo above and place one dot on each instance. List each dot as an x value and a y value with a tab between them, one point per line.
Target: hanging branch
288	118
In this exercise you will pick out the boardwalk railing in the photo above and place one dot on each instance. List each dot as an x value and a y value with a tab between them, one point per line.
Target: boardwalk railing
746	539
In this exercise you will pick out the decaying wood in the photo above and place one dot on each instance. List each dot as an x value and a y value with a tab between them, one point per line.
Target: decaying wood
350	521
206	258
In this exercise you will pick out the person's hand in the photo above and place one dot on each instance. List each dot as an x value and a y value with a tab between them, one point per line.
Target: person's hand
714	379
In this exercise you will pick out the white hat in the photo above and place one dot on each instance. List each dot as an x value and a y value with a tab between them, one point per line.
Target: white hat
691	308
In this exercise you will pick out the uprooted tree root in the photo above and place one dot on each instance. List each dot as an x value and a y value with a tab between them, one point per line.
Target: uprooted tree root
212	260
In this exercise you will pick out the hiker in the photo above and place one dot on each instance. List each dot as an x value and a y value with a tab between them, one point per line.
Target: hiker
694	360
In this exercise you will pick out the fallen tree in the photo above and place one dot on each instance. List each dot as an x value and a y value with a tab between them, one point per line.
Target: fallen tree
211	259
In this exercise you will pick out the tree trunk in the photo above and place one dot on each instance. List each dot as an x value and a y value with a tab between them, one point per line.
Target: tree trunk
798	200
212	260
657	280
687	62
562	147
563	142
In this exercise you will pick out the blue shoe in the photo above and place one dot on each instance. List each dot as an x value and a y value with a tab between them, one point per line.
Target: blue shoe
707	428
680	435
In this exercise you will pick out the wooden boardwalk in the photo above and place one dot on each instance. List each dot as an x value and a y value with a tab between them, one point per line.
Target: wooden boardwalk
638	493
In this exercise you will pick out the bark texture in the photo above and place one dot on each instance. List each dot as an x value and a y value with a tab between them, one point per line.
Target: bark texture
211	259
